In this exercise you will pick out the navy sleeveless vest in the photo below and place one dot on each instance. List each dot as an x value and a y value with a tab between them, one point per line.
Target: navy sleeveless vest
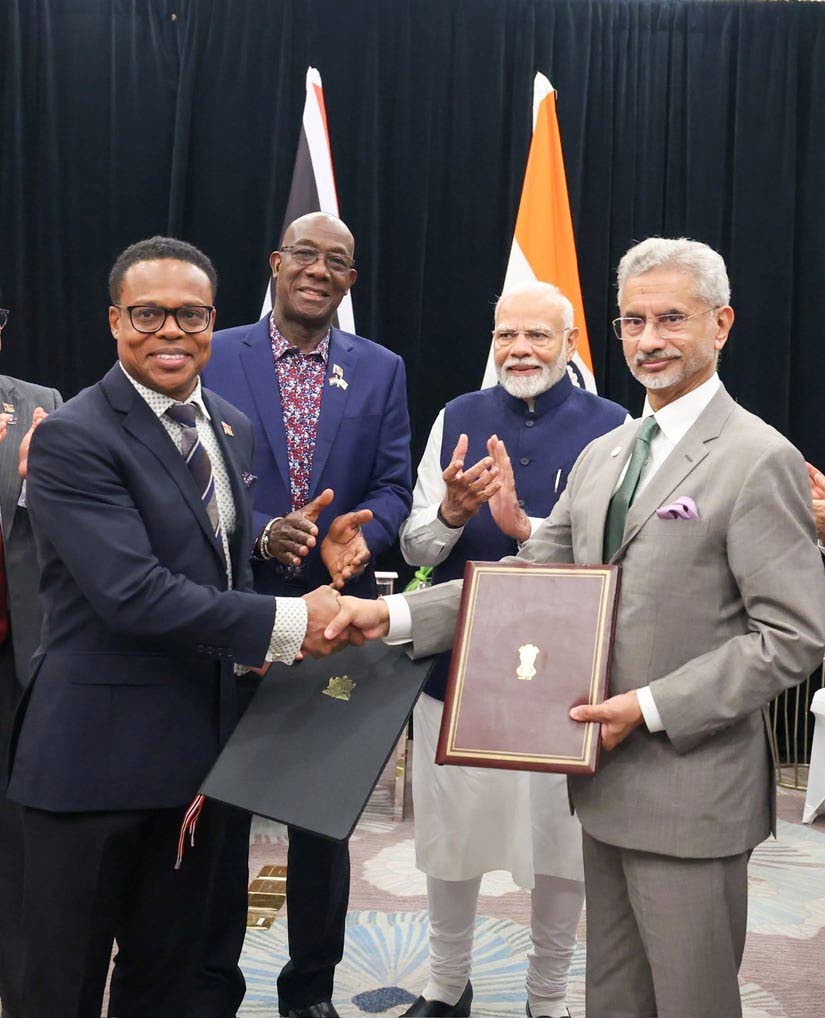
543	444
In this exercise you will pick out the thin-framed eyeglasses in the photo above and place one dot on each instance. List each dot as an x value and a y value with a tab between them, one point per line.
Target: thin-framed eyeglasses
307	256
191	318
4	317
540	338
671	324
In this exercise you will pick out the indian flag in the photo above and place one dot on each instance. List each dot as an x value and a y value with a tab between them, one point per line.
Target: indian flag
313	181
543	245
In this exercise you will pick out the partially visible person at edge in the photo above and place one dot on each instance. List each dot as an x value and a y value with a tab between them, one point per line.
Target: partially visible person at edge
24	405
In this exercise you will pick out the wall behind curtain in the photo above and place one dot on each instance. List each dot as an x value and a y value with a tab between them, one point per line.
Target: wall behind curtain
121	118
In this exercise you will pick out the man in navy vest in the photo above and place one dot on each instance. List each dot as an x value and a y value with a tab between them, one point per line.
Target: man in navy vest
470	821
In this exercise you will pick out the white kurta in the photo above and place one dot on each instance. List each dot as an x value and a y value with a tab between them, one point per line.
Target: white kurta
470	820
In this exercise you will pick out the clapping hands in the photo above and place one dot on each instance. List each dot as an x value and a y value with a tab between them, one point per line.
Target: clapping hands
344	550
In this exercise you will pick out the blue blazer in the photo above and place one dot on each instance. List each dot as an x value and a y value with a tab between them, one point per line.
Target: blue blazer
132	690
362	450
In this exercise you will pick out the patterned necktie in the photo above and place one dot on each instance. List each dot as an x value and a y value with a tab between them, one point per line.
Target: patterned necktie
622	498
200	466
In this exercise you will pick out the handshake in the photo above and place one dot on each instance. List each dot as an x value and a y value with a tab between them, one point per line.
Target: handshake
334	621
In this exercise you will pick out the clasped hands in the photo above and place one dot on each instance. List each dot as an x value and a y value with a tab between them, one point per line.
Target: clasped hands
344	551
334	622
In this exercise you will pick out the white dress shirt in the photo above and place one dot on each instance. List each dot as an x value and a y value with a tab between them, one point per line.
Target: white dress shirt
674	420
291	612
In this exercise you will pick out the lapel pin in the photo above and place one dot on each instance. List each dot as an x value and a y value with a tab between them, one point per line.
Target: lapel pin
227	429
616	451
337	377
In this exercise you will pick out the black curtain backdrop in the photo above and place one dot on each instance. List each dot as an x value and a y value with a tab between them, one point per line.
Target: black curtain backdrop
122	118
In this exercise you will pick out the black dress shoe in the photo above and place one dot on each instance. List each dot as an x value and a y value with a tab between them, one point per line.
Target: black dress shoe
323	1010
530	1013
438	1009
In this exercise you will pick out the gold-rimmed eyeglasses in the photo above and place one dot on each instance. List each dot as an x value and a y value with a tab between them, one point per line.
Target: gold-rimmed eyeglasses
535	337
670	324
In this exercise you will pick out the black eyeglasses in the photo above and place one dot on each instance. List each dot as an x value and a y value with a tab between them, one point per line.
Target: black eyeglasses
149	318
307	256
4	317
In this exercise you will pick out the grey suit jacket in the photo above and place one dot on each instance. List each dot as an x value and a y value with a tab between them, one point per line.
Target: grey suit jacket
718	615
22	570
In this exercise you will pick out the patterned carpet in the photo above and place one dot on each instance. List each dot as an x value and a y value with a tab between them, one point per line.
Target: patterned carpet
384	964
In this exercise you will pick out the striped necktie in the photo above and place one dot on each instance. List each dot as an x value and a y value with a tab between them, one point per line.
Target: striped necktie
622	498
200	466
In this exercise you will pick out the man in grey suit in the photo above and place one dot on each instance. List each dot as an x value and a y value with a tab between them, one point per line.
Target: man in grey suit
708	511
24	405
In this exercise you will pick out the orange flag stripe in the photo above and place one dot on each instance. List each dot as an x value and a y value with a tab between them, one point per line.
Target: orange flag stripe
544	227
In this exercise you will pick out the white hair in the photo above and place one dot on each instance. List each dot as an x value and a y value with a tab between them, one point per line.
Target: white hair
545	289
705	266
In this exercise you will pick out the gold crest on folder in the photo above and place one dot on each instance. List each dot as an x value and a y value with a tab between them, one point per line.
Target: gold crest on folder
527	661
340	687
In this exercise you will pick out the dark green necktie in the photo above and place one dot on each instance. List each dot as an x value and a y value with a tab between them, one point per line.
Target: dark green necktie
622	498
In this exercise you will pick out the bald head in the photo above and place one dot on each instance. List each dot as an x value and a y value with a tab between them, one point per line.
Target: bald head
306	227
313	271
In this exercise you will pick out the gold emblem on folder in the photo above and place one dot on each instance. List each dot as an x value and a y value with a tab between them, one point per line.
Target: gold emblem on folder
527	661
340	687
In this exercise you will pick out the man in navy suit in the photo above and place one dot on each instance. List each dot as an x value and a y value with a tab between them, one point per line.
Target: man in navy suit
333	485
147	603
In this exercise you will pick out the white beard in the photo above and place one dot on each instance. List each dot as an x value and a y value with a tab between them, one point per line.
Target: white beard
530	388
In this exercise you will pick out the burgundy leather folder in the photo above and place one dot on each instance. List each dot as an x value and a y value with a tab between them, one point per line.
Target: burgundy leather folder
531	642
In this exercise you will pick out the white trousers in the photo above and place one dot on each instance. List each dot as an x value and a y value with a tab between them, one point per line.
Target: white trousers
556	906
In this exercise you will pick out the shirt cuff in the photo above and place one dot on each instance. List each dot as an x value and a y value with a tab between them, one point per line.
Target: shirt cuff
819	543
535	523
400	630
649	710
22	500
289	630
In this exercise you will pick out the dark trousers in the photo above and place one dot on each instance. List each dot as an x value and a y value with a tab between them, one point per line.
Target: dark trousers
317	895
11	847
317	890
220	985
94	877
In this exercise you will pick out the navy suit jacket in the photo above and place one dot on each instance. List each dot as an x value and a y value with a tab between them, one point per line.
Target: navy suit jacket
132	690
362	450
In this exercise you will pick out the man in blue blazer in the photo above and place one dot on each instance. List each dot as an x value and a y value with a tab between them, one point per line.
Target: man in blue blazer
137	494
333	485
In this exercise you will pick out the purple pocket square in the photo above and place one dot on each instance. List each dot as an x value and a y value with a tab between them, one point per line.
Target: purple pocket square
683	508
248	479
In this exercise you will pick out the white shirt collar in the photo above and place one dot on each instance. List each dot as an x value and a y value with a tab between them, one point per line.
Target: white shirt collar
678	417
159	403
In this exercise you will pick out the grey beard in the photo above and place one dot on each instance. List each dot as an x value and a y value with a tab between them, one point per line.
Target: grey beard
530	388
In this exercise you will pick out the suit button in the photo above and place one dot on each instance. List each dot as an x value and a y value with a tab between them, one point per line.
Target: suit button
521	503
529	423
524	460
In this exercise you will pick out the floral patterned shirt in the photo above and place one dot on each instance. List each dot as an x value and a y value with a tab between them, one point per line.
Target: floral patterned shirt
301	382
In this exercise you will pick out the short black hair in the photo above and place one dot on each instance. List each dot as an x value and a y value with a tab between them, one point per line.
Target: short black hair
153	249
